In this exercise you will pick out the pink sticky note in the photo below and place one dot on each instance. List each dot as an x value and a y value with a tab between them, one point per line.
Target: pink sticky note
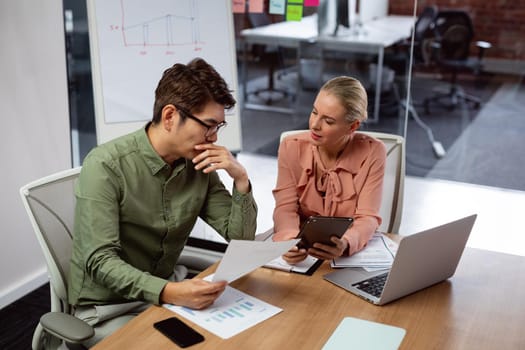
311	2
256	6
239	6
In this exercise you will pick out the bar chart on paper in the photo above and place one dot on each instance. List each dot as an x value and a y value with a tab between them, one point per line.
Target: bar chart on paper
232	313
242	308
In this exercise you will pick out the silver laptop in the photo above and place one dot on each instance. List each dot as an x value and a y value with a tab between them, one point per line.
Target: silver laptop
422	259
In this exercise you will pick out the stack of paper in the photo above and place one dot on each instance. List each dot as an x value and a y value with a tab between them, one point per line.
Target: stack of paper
378	254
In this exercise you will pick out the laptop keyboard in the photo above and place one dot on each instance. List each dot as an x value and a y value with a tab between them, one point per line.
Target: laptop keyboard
373	285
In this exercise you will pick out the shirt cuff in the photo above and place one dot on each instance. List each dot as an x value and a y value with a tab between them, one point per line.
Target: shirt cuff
242	199
155	285
353	244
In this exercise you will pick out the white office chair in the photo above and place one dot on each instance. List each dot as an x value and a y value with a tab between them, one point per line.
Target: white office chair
394	181
50	205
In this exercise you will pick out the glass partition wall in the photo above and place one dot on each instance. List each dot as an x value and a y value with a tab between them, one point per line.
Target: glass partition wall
81	104
463	66
467	88
462	119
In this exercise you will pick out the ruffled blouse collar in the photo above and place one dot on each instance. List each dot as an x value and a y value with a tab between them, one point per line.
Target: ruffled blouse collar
329	181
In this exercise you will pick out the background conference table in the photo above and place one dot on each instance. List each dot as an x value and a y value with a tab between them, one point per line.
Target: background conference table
481	307
372	38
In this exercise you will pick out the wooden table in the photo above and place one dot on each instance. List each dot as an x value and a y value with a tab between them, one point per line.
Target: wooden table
481	307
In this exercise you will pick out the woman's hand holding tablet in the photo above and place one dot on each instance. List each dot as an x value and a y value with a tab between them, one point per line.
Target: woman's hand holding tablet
320	229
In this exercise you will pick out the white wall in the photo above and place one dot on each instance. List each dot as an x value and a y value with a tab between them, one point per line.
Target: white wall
35	138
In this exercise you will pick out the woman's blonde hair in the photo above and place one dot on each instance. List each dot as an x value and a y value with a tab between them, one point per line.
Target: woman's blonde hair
352	96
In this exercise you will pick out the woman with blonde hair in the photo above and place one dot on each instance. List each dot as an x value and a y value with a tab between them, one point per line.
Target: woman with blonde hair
331	170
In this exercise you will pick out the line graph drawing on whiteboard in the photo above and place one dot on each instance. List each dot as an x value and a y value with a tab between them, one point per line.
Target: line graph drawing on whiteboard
135	41
170	28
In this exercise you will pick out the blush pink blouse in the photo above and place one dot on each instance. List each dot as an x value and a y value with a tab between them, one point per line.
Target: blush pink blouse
352	188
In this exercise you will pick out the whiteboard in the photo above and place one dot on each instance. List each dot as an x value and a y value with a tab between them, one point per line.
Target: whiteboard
133	41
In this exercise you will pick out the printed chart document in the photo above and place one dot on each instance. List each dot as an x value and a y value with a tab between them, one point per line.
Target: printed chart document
364	335
232	313
242	257
378	254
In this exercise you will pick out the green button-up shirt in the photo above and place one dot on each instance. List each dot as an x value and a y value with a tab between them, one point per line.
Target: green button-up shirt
134	213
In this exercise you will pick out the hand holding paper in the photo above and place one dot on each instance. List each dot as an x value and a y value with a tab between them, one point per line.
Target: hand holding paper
242	257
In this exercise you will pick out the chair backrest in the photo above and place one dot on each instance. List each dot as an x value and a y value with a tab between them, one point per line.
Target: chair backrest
393	184
425	23
259	19
394	181
50	205
423	31
454	32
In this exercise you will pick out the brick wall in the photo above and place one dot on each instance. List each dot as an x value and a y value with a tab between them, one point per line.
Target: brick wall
500	22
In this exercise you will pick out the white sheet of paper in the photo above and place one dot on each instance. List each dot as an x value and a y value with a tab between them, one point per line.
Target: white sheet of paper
242	257
379	252
232	313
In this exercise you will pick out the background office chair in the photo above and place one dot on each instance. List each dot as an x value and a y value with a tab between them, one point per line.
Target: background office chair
423	33
50	205
451	53
273	56
393	184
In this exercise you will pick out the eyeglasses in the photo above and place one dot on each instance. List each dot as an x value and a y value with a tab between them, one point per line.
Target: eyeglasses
211	129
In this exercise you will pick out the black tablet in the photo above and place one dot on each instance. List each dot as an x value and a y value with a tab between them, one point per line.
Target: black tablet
321	228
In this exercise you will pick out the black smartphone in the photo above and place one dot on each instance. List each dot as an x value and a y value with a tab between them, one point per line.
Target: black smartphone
179	332
321	228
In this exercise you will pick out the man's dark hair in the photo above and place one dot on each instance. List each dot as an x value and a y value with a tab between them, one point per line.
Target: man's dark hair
191	86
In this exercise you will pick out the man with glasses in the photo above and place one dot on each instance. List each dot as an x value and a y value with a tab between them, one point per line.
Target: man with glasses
139	196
